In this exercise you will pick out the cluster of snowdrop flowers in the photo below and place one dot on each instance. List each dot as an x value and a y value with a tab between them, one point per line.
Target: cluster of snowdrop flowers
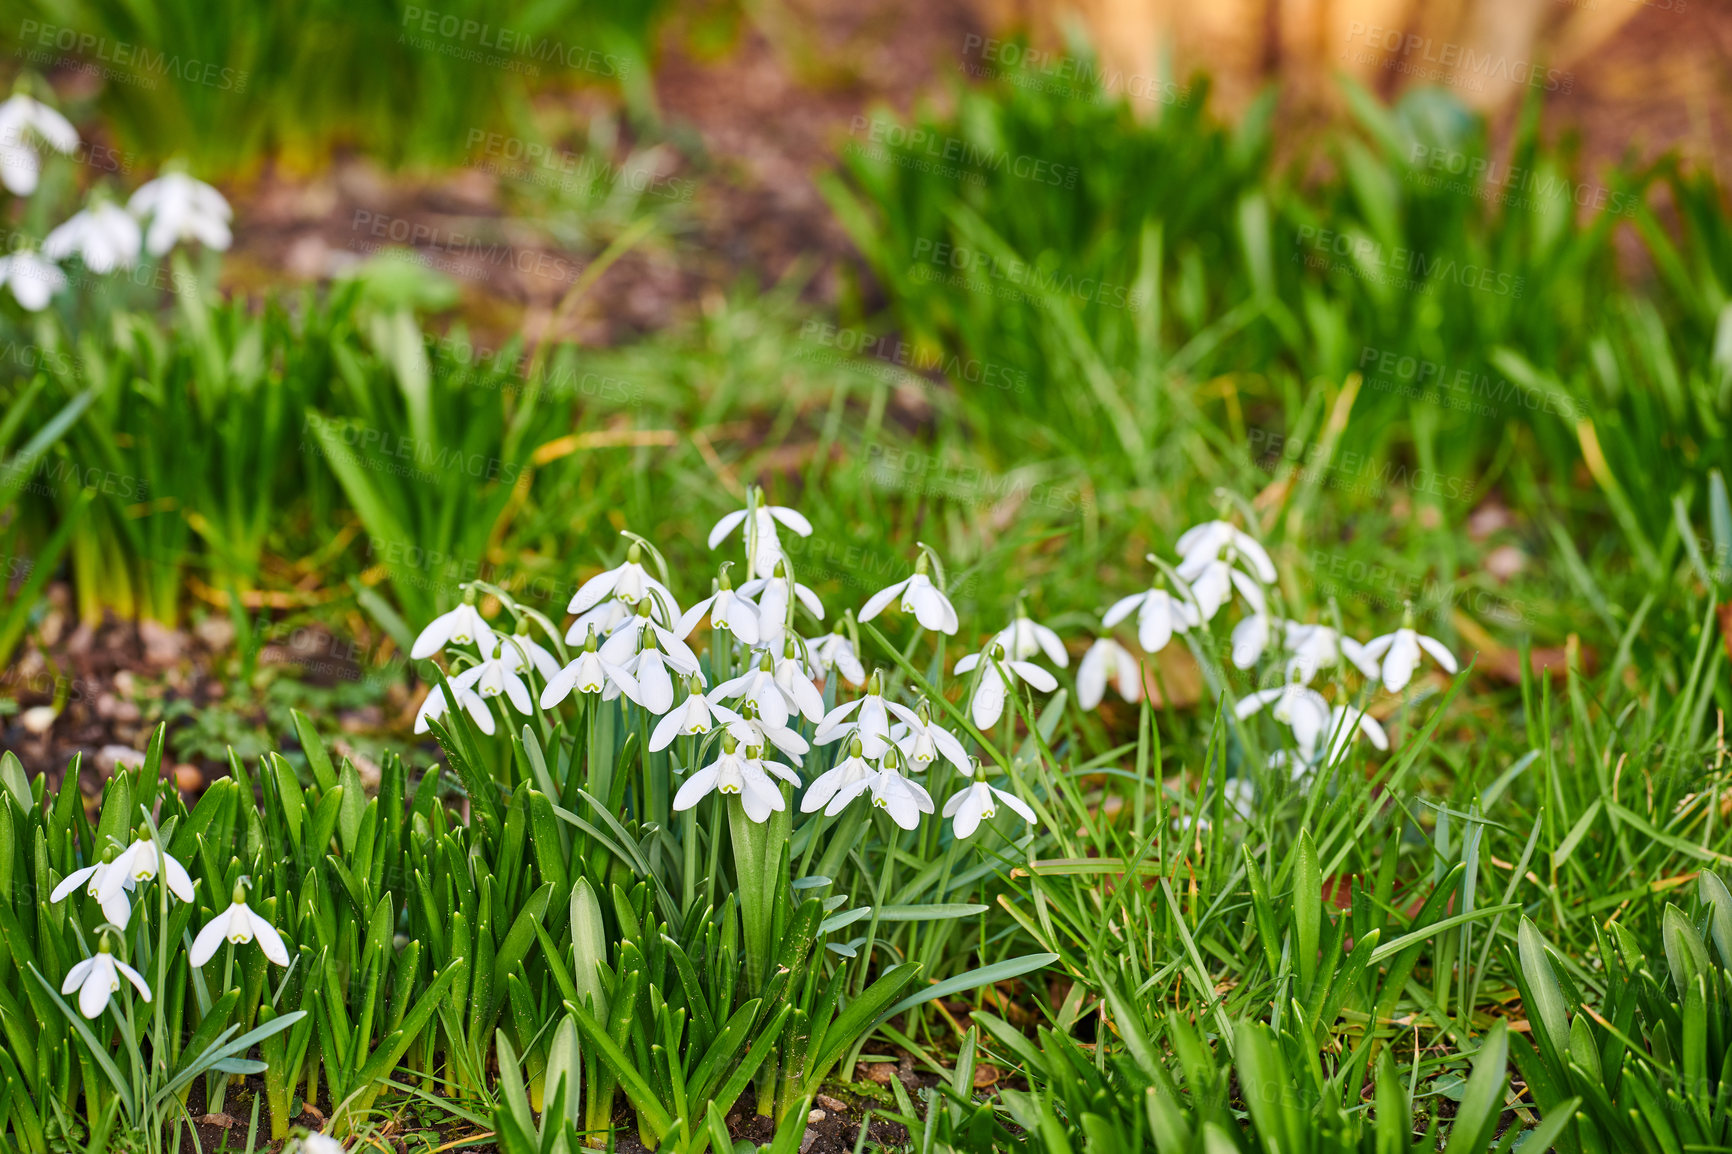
1218	564
171	209
630	638
113	880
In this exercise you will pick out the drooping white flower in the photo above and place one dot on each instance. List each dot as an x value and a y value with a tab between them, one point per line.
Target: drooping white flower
463	625
733	772
1315	647
1251	637
117	909
605	618
34	281
915	594
977	802
903	798
140	862
758	686
319	1144
696	714
1216	559
775	595
104	235
1400	651
1108	661
752	731
1344	726
1023	639
588	672
726	609
182	208
434	705
25	120
525	653
1236	798
238	924
923	742
1295	705
96	980
763	546
498	674
833	651
832	790
998	673
651	685
869	716
627	641
628	581
1159	616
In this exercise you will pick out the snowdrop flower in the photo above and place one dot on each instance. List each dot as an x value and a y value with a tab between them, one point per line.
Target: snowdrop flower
139	862
696	714
1318	647
1400	653
922	742
628	581
627	641
528	654
758	686
752	731
463	625
903	798
734	772
34	281
997	673
763	546
726	609
498	674
776	595
978	801
181	208
1159	616
1295	705
868	716
1251	636
21	119
605	619
1023	639
239	925
319	1144
833	651
1213	557
117	909
919	596
1107	660
832	790
96	979
103	235
435	706
589	672
1344	726
652	686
